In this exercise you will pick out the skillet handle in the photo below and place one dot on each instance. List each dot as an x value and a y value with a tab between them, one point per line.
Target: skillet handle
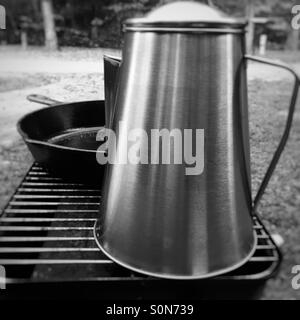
42	99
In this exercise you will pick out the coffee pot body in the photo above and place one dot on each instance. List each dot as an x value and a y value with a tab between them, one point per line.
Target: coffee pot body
187	215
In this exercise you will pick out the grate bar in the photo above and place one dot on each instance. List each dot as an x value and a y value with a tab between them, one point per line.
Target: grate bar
16	211
47	220
263	247
38	173
49	261
57	190
29	228
42	179
40	239
37	168
46	196
45	249
263	236
263	259
54	184
44	203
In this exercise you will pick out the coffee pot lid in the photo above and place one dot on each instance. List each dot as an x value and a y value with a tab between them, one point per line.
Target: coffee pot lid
186	16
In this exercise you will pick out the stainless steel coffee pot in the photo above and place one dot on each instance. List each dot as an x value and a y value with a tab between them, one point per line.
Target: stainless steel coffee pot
183	67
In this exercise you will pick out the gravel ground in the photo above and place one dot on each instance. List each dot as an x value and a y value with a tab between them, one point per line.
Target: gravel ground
287	56
61	87
66	60
9	82
65	53
268	108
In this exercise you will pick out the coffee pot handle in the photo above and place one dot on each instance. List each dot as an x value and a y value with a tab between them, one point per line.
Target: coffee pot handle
287	128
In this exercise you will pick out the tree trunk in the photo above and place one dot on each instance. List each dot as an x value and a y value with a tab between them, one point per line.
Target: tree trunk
293	40
10	25
49	25
251	26
36	8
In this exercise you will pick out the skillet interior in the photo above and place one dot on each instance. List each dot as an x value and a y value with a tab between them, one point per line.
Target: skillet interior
73	125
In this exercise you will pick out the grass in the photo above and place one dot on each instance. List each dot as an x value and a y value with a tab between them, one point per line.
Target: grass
14	162
286	56
281	204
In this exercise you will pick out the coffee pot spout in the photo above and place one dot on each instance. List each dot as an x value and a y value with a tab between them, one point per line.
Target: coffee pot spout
111	71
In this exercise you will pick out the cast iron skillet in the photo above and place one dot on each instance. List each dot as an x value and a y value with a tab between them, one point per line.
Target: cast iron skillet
62	137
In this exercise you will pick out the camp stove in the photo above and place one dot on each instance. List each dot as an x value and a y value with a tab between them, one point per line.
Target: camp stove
48	249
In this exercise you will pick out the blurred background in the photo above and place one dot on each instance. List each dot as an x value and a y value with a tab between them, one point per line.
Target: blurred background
55	48
97	23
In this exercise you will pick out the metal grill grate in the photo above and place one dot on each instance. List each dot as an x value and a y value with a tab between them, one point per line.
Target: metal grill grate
46	234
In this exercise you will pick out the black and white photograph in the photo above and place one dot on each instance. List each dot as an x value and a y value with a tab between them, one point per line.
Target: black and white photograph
149	153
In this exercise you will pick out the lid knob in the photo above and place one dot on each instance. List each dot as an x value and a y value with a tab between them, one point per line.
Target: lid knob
186	16
185	11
